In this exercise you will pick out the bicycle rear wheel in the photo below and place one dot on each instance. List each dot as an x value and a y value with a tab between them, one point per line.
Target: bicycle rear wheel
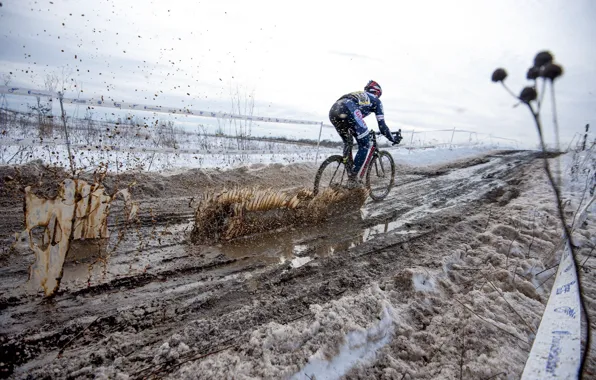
331	174
380	176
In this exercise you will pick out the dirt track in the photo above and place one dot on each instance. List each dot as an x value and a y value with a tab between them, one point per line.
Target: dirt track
127	309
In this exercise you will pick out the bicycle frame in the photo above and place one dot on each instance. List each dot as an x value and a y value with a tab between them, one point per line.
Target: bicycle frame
366	164
342	166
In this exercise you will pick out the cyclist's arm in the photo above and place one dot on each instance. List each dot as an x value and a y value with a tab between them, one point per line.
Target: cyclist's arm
381	121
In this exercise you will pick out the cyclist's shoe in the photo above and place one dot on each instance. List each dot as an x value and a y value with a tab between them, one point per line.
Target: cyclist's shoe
354	183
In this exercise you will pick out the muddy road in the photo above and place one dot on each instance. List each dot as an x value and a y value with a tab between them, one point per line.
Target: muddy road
117	312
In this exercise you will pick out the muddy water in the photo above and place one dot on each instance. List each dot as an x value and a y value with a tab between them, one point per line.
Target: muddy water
396	214
164	248
414	198
154	264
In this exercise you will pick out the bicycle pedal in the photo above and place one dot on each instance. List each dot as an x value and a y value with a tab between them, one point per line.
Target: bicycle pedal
354	185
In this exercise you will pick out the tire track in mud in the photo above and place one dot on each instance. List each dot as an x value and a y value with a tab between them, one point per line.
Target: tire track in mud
224	296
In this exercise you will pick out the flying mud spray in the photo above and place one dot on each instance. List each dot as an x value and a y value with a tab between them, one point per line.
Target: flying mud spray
239	212
80	212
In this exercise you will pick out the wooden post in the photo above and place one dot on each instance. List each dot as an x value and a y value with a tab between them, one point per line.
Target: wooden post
318	143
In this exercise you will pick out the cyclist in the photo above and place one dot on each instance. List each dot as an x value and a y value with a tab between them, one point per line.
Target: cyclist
347	116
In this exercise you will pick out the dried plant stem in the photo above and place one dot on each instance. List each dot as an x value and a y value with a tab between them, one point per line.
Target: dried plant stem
495	375
508	90
491	323
566	229
490	209
542	271
533	234
461	358
70	159
553	184
511	307
581	202
587	258
515	271
556	125
544	282
75	337
509	252
540	100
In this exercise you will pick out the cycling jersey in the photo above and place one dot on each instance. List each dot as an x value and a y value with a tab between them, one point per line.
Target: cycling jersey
367	103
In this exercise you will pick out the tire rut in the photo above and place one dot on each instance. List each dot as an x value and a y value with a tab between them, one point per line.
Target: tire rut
226	302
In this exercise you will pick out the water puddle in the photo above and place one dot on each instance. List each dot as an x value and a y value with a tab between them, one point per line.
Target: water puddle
162	249
296	246
388	226
307	242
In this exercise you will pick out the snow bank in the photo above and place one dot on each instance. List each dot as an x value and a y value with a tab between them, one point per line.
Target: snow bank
433	156
337	336
360	347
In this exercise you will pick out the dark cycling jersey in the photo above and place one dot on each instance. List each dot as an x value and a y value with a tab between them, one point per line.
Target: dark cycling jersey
368	103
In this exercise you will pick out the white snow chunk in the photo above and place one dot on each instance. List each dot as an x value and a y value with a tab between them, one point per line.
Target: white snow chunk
359	347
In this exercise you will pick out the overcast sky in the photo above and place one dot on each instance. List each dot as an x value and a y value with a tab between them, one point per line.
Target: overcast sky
433	59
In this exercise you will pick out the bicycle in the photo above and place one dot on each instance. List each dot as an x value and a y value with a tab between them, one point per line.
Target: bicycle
380	173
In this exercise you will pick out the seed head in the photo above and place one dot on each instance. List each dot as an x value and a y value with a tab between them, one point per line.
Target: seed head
551	71
533	73
499	75
543	58
528	94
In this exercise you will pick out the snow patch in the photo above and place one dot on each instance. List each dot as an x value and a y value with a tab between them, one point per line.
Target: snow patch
300	248
359	347
300	261
423	283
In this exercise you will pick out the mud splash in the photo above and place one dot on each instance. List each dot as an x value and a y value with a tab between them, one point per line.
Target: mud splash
240	212
78	212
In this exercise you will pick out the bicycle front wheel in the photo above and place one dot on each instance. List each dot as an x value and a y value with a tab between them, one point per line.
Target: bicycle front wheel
380	176
331	174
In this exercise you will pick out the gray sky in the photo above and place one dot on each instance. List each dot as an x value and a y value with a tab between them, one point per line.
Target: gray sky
433	59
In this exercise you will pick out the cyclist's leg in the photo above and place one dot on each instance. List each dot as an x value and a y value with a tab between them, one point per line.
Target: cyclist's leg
362	135
346	135
340	117
363	157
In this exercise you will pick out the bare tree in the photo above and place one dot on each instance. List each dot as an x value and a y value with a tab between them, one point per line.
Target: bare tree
5	79
90	131
43	111
61	80
167	135
43	108
243	103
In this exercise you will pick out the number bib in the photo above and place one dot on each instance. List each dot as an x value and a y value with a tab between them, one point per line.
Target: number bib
362	98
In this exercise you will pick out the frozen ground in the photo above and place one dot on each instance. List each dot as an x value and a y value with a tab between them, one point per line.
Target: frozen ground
446	278
214	152
134	144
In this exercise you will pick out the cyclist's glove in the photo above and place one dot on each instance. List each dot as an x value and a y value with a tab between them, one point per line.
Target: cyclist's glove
397	137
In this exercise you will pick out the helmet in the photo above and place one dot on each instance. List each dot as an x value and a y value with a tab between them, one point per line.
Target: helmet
374	88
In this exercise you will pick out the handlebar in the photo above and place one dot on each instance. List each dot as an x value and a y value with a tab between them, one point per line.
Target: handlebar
396	135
